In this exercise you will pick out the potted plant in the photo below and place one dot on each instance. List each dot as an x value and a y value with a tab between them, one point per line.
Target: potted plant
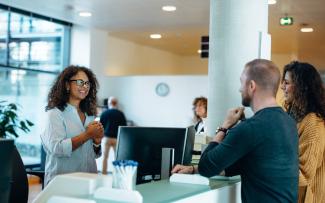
10	122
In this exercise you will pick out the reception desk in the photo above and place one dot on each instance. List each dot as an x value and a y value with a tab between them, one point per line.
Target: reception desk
83	186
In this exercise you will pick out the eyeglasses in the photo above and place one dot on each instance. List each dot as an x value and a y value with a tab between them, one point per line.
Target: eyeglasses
81	83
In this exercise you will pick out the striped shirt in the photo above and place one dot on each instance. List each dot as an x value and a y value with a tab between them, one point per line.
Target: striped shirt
56	139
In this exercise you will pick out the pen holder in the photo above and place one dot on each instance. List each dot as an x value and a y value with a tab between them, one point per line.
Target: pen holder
124	174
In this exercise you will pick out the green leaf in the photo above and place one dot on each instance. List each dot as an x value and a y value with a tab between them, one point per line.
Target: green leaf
29	123
12	131
12	106
22	124
24	127
10	121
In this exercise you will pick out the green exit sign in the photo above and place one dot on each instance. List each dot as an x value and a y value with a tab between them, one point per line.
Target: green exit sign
286	21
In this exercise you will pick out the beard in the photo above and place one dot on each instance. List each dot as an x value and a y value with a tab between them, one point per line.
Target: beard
246	100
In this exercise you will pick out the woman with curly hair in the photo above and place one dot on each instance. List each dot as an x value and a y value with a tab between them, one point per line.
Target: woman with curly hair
72	138
305	101
200	105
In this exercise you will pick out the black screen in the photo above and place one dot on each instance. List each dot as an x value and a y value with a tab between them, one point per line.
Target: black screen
144	145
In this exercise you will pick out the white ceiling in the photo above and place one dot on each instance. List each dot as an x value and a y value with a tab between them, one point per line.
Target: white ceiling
181	30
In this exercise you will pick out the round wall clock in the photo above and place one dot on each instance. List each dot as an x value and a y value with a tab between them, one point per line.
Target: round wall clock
162	89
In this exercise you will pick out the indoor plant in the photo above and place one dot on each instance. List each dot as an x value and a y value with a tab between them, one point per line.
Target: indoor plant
10	122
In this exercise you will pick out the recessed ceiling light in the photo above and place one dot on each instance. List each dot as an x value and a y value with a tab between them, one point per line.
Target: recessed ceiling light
271	2
199	51
85	14
169	8
307	29
155	36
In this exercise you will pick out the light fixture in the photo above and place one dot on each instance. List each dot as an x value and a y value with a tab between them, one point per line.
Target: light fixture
155	36
271	2
85	14
304	27
307	29
199	51
169	8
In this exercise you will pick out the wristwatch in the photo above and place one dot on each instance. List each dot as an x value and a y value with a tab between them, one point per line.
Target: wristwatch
225	130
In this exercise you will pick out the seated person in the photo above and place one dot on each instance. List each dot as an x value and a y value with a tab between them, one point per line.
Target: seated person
200	114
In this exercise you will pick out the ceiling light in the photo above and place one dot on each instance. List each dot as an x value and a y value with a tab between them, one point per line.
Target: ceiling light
155	36
307	29
85	14
199	51
271	2
169	8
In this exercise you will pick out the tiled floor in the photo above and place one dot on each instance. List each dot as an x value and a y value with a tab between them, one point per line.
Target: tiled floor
35	187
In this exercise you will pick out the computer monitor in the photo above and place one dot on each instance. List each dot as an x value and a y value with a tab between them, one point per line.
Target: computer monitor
144	145
6	154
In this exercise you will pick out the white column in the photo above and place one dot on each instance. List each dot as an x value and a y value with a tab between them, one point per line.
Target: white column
235	39
89	49
80	46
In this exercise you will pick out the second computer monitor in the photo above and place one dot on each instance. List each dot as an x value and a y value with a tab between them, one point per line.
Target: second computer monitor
144	145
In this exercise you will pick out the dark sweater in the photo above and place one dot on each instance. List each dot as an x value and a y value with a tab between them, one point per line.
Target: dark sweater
263	150
111	120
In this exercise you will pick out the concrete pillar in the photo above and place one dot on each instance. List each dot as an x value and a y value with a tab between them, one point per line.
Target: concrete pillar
238	34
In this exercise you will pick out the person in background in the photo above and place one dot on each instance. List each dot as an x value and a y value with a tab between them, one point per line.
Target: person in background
200	105
305	101
112	118
72	138
263	149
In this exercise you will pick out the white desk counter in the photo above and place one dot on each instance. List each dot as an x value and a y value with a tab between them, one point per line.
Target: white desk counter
84	185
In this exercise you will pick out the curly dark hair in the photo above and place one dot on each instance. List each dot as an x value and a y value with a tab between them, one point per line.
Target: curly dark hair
204	100
59	96
308	92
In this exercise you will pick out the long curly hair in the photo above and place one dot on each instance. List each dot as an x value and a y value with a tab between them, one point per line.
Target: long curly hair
308	91
59	96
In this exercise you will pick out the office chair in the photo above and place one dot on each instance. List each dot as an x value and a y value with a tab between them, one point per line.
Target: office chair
6	153
19	182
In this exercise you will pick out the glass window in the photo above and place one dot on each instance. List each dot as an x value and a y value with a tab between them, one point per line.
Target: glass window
29	89
3	36
32	52
33	43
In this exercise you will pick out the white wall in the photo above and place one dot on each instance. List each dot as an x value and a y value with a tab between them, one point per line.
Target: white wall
144	107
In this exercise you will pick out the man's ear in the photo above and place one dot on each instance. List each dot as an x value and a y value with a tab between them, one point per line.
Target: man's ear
252	85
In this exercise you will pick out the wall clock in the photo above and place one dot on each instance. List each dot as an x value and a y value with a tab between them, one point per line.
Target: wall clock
162	89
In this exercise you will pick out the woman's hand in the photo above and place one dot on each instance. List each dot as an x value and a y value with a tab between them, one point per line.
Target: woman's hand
95	131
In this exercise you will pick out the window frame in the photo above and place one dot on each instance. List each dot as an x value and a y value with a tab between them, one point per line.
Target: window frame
64	45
